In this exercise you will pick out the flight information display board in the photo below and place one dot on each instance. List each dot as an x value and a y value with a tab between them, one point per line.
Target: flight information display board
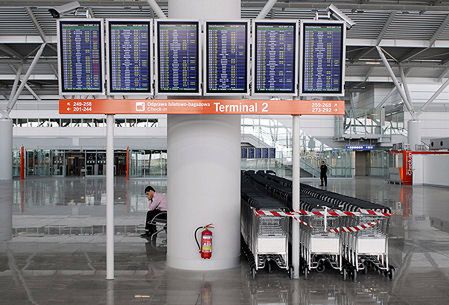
323	56
274	58
178	64
227	58
80	51
129	57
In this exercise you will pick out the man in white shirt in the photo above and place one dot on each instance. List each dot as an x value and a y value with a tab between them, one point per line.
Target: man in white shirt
157	203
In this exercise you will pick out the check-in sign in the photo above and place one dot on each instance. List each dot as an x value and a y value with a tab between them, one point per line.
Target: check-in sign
200	106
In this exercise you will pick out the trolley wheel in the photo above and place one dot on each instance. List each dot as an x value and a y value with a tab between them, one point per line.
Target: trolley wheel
345	274
290	272
365	270
391	272
253	273
354	275
321	267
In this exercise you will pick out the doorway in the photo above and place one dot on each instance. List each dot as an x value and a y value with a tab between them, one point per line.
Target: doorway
362	163
75	164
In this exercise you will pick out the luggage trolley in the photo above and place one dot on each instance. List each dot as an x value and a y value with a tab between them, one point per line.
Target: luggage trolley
265	237
365	244
318	246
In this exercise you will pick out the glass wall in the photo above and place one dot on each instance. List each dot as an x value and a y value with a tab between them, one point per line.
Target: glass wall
148	163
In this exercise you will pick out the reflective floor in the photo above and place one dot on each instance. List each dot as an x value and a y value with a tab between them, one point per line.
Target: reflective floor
69	269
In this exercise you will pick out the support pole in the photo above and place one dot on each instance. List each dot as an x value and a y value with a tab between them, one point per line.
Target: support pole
110	197
6	184
396	82
13	101
405	86
127	163
156	9
22	163
16	82
296	194
385	99
434	96
266	9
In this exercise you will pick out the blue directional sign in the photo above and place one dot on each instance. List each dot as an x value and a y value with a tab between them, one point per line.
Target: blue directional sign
178	57
129	56
322	58
227	57
275	58
80	46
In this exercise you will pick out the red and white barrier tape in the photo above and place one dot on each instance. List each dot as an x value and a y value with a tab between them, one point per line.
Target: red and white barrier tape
360	227
334	213
303	222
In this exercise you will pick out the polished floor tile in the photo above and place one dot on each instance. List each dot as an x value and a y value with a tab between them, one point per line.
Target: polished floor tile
70	269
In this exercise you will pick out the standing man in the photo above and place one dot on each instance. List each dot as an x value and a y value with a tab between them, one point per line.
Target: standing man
157	203
323	173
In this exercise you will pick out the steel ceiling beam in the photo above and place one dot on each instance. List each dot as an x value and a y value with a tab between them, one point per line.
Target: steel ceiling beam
409	56
13	101
38	27
396	82
379	37
11	52
266	9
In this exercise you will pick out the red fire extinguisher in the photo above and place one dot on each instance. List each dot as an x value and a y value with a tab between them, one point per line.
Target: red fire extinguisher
205	248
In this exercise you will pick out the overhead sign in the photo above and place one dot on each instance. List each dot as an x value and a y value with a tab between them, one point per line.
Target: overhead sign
80	54
323	58
359	147
275	53
129	56
196	106
178	57
227	57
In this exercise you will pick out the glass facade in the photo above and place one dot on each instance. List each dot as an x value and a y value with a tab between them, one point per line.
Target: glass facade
76	163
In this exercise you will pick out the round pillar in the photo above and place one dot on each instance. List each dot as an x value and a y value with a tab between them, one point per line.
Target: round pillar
203	187
414	133
6	185
203	168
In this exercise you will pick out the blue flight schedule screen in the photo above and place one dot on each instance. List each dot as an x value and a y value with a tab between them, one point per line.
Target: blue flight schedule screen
81	61
178	57
129	57
226	57
275	60
323	58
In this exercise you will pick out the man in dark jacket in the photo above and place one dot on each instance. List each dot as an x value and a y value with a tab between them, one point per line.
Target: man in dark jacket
323	173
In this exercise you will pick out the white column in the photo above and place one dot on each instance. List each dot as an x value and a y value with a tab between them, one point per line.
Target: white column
110	122
203	188
6	192
203	168
296	193
414	133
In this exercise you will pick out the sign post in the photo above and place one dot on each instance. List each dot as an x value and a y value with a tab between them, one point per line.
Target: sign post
110	122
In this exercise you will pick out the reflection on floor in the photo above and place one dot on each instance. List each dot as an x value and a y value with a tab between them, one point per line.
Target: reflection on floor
70	269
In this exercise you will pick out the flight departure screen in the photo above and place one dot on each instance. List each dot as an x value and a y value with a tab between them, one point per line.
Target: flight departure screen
322	58
227	57
275	58
80	44
178	57
129	57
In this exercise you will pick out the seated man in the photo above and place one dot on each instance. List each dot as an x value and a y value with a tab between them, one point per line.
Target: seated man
157	203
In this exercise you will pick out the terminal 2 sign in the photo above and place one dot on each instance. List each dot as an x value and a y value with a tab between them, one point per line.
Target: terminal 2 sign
201	106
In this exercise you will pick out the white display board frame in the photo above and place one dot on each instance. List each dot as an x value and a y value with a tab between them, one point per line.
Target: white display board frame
248	58
102	57
301	59
150	63
156	58
296	64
